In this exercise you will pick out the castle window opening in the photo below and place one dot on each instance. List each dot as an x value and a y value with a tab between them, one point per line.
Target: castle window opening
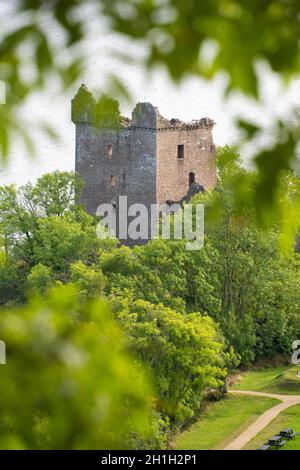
191	178
180	151
112	181
109	150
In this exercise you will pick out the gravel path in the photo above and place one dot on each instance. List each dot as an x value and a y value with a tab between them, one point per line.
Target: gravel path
264	419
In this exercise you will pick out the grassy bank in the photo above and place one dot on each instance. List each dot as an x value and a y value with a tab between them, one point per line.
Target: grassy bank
222	422
274	380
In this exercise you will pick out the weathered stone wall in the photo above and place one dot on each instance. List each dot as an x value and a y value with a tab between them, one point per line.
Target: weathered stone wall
199	158
139	157
132	164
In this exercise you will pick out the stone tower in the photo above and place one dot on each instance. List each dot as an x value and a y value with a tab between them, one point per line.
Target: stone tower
148	158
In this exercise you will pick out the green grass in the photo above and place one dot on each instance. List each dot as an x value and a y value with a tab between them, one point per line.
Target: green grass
275	380
288	418
222	422
225	420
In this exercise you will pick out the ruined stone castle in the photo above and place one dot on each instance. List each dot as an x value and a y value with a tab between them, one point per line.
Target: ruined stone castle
148	158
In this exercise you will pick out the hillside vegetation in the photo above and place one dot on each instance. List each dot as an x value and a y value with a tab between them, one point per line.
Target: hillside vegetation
184	320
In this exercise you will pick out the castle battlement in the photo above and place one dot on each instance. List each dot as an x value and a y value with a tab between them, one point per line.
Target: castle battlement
105	113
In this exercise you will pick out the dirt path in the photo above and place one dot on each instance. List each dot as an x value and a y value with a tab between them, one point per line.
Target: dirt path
264	419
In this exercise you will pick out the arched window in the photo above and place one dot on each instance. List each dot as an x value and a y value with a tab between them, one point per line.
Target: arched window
191	178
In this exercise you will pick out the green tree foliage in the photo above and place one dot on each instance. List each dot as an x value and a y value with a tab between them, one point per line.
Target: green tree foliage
107	113
185	353
256	287
89	281
12	280
22	208
242	32
240	278
103	113
42	224
173	33
40	279
68	382
136	271
53	194
60	241
185	315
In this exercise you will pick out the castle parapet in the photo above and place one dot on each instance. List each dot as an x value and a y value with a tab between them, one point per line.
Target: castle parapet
144	116
105	113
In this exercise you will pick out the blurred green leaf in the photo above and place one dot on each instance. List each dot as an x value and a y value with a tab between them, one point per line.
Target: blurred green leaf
249	128
61	389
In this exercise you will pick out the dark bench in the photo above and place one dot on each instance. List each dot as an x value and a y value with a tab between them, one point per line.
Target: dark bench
288	433
276	441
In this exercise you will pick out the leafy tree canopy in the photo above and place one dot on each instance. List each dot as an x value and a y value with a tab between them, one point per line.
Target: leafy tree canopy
68	382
